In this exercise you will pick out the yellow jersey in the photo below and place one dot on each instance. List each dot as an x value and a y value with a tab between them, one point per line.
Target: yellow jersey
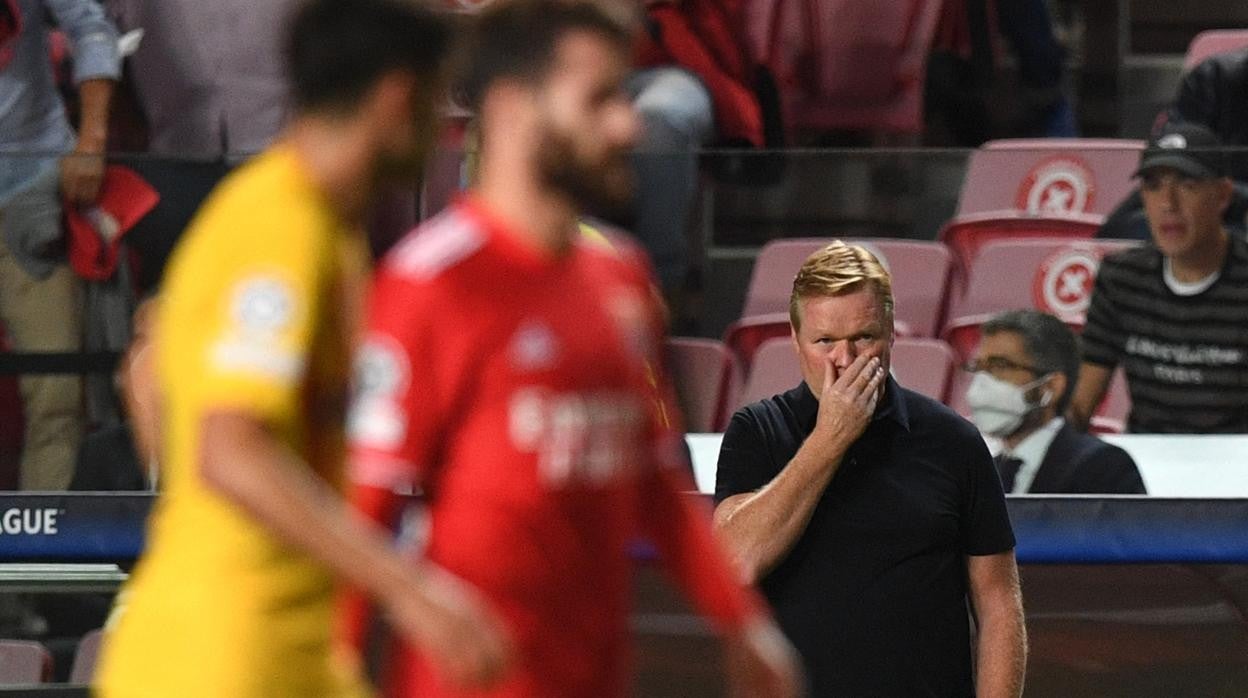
258	316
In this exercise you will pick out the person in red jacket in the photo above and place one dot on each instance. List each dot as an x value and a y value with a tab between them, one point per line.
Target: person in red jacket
693	85
504	373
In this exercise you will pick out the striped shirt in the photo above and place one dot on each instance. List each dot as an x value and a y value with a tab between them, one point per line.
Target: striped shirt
1185	357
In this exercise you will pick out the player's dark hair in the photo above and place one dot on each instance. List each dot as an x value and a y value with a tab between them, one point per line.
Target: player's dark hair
516	39
1049	342
336	50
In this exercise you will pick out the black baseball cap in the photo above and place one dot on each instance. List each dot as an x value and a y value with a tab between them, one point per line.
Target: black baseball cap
1189	148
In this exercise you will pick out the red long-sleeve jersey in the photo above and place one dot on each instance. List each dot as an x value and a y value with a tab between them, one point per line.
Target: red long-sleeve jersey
512	386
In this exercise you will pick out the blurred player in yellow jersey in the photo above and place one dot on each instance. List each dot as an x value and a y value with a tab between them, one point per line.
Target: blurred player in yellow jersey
253	338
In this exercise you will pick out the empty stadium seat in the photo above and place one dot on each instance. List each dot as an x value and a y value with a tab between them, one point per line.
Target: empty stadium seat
1050	177
967	235
1212	42
920	271
84	657
774	369
924	365
1054	276
841	64
744	337
23	662
704	376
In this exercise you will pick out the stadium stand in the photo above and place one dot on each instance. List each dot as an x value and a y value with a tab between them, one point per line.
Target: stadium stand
23	662
1049	177
1214	41
773	369
846	65
966	235
88	651
1051	275
704	376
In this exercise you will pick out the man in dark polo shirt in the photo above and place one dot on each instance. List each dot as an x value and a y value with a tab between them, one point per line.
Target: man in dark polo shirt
868	514
1174	314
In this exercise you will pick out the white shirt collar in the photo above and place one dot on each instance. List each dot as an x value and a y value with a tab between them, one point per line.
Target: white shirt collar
1031	452
1186	288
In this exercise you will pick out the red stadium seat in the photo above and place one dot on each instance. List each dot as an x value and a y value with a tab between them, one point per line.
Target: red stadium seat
967	235
847	65
23	663
774	369
744	337
1052	177
1054	276
88	651
920	271
704	376
1213	42
924	365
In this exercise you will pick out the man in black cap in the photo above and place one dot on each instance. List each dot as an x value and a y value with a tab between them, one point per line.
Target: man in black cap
1172	313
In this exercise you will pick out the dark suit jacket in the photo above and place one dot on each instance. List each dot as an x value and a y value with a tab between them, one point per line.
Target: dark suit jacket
1078	463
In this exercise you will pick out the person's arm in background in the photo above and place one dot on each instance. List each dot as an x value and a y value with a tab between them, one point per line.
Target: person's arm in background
1100	346
97	66
759	528
1089	391
1001	644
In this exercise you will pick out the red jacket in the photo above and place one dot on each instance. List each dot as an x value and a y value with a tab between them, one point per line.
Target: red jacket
704	37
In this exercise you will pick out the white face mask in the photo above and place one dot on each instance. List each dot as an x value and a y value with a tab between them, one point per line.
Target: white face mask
998	407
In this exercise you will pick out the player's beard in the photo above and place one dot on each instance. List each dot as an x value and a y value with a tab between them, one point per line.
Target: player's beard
603	186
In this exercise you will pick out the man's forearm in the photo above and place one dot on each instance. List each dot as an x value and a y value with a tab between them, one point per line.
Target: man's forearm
249	467
759	528
94	97
1001	652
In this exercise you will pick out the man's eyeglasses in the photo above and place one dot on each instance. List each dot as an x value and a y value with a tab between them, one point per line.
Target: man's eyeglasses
998	364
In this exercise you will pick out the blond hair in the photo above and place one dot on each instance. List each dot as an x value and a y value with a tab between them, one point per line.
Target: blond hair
839	269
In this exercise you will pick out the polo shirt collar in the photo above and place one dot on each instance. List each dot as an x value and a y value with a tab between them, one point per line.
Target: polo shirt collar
892	407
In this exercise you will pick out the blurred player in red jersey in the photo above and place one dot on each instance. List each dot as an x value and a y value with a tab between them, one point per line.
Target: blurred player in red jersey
504	372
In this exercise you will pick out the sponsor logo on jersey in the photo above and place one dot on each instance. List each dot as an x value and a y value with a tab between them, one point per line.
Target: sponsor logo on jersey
587	438
262	308
377	419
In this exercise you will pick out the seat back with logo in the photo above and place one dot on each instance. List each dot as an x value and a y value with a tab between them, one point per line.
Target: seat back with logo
1053	276
967	235
1050	177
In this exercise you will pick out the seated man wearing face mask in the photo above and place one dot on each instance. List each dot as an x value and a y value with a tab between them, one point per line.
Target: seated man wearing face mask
1025	369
